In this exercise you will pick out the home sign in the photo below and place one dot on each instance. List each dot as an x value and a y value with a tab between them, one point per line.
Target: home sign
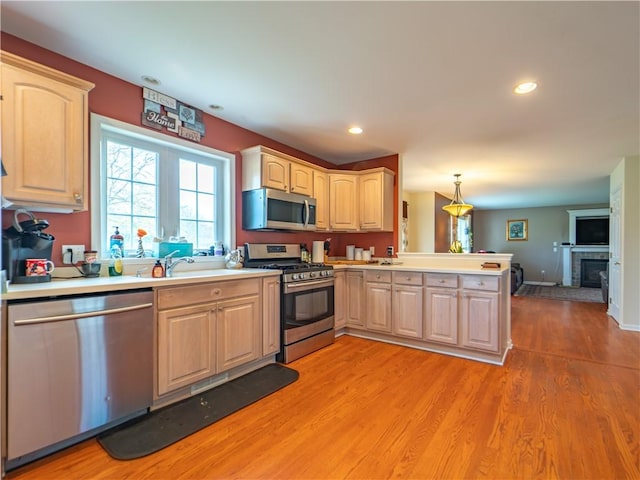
162	111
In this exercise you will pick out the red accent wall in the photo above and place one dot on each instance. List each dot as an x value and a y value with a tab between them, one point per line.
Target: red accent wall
121	100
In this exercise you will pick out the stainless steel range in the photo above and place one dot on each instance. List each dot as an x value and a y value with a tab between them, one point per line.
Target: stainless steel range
306	307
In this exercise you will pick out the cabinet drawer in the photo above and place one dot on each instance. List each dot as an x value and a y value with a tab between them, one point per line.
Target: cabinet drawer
480	282
208	292
448	280
408	278
377	276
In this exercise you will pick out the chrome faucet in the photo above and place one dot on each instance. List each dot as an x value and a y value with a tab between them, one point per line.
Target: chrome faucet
169	264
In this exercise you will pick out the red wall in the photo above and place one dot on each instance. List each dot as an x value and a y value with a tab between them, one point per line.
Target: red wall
123	101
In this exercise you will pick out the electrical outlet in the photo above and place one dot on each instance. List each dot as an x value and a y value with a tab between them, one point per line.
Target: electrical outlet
390	251
72	254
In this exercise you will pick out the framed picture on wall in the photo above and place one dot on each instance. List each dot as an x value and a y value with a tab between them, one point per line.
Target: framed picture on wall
517	230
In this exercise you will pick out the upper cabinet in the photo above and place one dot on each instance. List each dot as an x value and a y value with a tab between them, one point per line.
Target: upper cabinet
343	201
376	200
44	136
262	167
346	200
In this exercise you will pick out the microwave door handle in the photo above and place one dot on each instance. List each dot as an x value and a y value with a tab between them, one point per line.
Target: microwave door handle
306	214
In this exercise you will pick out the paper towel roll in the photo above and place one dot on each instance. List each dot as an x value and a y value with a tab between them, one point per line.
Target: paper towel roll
317	252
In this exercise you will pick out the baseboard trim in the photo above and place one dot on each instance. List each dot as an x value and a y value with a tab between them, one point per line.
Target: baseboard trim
546	284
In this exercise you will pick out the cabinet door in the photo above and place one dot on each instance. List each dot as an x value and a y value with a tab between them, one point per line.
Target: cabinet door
321	194
355	299
44	136
442	315
301	179
186	346
407	311
378	301
270	315
376	201
479	320
343	201
238	331
340	298
275	172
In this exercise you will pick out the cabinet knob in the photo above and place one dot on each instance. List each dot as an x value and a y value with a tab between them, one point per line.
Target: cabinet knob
220	308
441	281
378	276
77	197
216	291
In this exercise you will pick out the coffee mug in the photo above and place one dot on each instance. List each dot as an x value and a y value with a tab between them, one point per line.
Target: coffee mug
90	256
38	267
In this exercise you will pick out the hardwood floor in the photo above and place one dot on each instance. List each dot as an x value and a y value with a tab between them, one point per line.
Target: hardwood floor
565	405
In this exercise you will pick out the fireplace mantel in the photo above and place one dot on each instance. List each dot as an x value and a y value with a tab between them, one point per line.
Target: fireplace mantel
567	253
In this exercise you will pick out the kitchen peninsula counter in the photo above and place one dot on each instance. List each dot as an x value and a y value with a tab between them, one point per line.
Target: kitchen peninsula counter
444	303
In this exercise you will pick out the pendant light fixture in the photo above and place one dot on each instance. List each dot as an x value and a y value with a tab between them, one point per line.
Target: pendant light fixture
457	207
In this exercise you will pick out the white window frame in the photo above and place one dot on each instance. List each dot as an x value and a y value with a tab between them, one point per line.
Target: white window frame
98	183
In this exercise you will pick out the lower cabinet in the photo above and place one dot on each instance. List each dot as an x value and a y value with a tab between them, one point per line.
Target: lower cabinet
208	328
478	320
378	301
340	298
407	311
442	315
239	339
355	295
186	346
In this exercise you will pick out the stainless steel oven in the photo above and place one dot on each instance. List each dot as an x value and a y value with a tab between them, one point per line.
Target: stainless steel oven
307	298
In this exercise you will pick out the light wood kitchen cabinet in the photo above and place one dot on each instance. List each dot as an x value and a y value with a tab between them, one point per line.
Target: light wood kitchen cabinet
343	201
376	201
270	315
321	194
340	299
186	346
44	136
442	315
378	301
263	167
479	312
355	299
205	329
238	335
407	319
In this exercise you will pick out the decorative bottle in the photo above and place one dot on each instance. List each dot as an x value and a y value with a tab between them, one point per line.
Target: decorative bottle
117	240
158	270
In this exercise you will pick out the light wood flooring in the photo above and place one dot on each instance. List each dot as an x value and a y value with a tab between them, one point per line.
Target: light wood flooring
565	405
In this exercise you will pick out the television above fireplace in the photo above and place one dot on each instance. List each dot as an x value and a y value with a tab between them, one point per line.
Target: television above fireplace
592	230
589	227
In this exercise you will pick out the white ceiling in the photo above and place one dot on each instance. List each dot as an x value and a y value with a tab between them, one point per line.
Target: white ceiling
428	80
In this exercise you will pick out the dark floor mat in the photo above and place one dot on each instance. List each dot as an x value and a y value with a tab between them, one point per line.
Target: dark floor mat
158	429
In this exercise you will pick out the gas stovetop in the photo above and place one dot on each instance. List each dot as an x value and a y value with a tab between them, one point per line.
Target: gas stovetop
285	257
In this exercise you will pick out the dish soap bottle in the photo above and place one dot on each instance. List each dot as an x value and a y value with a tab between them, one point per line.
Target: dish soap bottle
117	240
158	270
115	264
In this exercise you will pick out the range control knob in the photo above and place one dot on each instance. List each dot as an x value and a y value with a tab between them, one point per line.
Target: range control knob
301	276
294	276
312	274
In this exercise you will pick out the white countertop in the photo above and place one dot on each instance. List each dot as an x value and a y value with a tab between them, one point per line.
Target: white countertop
72	286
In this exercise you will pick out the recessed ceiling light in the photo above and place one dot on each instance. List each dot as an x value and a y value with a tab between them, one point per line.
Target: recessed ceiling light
355	130
150	80
525	87
213	106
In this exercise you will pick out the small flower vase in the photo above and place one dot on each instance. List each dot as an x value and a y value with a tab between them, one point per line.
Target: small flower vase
140	250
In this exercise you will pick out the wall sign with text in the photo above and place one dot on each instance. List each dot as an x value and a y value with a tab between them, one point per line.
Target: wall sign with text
162	111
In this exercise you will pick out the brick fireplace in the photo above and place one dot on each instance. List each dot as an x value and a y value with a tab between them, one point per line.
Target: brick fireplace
590	269
572	257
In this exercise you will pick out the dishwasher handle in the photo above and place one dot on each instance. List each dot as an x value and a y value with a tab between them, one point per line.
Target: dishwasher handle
76	316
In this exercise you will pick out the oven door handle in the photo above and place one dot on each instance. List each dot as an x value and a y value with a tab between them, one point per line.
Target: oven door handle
291	288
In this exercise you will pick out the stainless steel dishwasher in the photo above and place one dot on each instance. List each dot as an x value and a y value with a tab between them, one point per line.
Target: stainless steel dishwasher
75	366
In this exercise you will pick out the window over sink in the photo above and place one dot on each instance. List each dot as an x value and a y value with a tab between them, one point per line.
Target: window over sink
166	186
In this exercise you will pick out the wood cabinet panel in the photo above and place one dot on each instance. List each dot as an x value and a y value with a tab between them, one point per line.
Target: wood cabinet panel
376	201
340	299
442	315
407	278
44	135
407	305
378	301
343	201
238	332
186	346
479	317
270	315
300	179
172	297
321	194
355	297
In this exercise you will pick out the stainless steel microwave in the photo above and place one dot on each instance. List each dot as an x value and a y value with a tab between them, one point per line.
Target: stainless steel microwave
269	209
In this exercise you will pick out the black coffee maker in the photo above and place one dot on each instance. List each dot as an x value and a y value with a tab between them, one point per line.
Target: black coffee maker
24	240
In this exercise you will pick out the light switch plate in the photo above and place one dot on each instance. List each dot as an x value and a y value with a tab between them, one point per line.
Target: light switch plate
76	255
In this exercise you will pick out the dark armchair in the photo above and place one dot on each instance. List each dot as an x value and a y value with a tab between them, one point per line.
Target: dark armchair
517	277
